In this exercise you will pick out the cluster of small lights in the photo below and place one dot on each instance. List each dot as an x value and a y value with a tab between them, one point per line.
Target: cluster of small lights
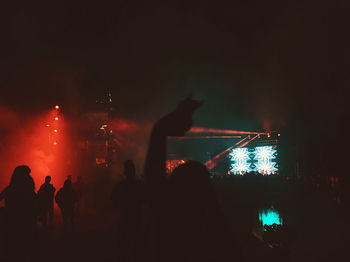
260	159
55	130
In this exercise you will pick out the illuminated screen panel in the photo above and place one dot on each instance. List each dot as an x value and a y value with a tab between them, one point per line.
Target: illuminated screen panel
270	216
261	159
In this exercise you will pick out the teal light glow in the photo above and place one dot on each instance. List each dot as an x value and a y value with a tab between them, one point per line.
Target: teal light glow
269	217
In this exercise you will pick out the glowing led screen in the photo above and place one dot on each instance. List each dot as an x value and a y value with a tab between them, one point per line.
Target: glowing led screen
269	217
262	159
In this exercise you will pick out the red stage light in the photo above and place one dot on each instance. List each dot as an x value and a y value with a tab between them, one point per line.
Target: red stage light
221	131
56	118
268	135
279	134
55	143
55	130
57	107
48	125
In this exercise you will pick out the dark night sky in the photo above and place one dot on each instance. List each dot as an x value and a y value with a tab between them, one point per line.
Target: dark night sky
257	64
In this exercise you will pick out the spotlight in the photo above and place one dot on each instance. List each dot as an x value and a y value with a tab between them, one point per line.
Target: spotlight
279	134
56	118
57	107
55	130
55	143
48	125
268	135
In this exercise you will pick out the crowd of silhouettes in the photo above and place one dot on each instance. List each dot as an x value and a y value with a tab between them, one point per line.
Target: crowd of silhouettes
171	218
24	207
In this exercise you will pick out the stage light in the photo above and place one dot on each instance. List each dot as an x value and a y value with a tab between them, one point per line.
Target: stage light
57	107
48	125
240	167
55	143
279	134
268	135
265	153
55	130
220	131
260	159
56	118
269	217
266	167
239	154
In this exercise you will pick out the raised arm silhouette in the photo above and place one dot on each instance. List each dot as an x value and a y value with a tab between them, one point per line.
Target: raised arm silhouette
185	212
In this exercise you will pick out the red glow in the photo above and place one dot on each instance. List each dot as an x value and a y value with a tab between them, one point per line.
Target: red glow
246	143
45	152
174	163
220	131
279	134
203	137
240	141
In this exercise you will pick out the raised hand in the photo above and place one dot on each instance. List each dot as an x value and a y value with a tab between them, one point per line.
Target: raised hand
178	122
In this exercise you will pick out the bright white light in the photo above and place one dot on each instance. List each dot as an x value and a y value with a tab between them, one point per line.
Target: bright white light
261	159
264	152
240	167
239	154
266	167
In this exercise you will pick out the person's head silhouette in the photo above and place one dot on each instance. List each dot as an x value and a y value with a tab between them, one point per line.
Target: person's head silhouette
21	178
68	184
191	183
129	169
47	179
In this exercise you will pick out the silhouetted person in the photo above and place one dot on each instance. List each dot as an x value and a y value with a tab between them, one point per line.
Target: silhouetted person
19	215
127	202
186	220
78	186
46	195
66	198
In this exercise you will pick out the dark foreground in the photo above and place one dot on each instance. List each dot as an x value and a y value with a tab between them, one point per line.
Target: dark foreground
317	227
317	230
